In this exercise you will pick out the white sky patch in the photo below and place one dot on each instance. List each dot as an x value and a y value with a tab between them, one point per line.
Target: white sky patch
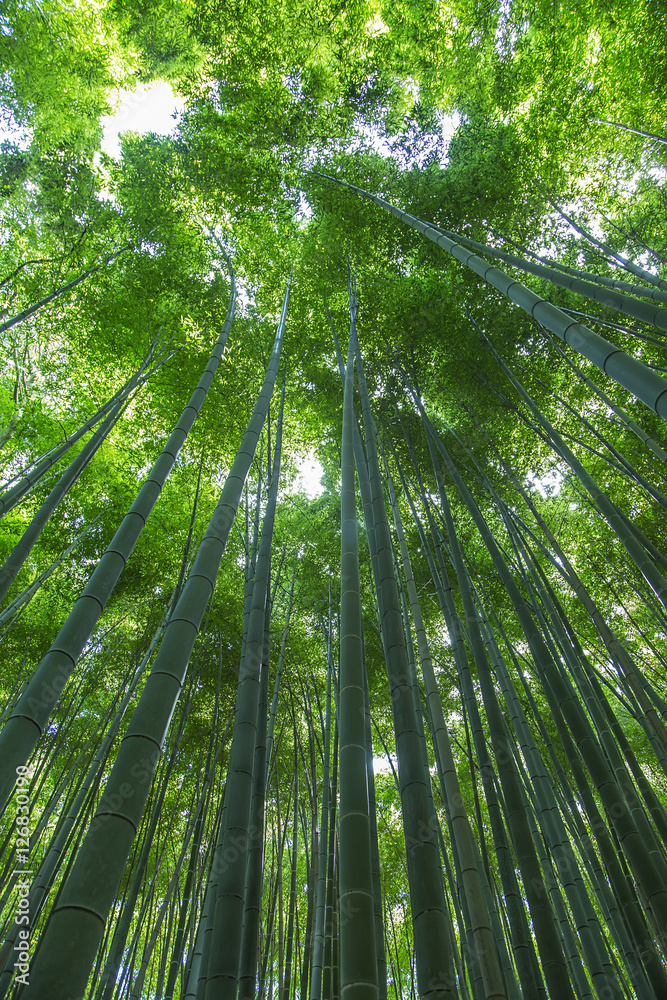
304	212
658	174
147	108
448	125
244	298
549	485
382	766
578	211
373	138
309	475
377	26
10	131
591	224
382	145
506	32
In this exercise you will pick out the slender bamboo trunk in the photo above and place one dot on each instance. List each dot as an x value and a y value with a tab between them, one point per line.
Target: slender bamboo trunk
639	290
69	943
318	948
21	600
358	972
68	286
647	868
529	972
625	664
15	560
627	371
13	496
23	729
624	417
253	889
626	128
610	293
236	835
107	981
189	887
484	948
628	265
375	855
289	950
312	863
557	977
617	522
431	918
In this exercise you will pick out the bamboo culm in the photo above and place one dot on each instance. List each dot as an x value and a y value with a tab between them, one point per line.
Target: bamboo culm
633	375
24	727
68	945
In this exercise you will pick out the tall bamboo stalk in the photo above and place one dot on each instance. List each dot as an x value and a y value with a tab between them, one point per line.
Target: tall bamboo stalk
22	730
627	371
358	971
70	940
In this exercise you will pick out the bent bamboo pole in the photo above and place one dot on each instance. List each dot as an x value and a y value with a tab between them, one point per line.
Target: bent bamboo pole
633	375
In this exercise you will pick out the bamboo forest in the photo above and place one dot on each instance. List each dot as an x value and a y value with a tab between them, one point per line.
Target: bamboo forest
333	548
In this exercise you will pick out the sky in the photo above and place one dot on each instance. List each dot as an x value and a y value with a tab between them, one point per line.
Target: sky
11	132
148	108
309	474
